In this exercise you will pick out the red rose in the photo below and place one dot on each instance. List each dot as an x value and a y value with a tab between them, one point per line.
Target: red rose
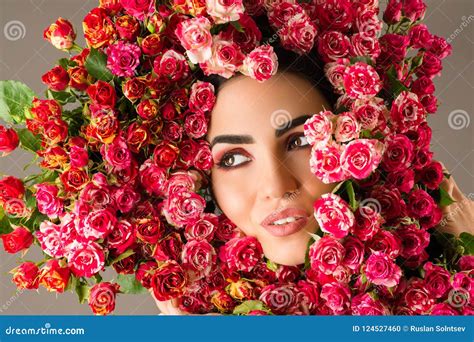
241	254
394	46
79	78
380	269
361	80
152	44
98	28
153	177
102	298
8	140
169	281
203	229
54	277
337	297
171	64
363	304
148	109
26	276
420	37
336	14
149	230
165	154
55	131
195	125
414	9
134	89
432	175
281	299
85	259
354	253
202	96
127	27
169	248
326	254
102	94
122	237
56	79
440	47
139	8
420	203
198	256
398	153
437	280
422	86
145	273
430	67
74	179
333	45
367	222
390	201
413	240
393	12
19	239
407	112
417	297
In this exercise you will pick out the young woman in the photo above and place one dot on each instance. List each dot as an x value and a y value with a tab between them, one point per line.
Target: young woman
262	179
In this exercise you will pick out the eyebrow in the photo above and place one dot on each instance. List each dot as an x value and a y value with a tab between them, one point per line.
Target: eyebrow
291	124
248	139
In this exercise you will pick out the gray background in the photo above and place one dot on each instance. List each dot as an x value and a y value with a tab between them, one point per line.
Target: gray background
25	56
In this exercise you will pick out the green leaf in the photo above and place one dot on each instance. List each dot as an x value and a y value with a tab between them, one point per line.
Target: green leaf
62	97
96	65
129	284
82	291
396	85
122	256
363	59
5	226
468	242
14	98
237	26
34	221
307	263
351	194
247	306
272	266
28	140
444	198
416	62
67	63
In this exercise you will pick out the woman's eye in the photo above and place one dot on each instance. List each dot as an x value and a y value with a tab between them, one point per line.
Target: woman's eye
297	141
232	160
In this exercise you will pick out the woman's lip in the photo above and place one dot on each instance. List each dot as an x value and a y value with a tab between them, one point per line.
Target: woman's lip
287	228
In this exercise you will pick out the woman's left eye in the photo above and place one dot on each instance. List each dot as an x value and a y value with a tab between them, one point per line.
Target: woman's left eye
297	142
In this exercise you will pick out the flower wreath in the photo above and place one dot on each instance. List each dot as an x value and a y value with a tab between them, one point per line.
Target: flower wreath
125	167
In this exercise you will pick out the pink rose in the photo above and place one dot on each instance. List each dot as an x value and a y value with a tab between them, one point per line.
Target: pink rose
85	259
153	177
385	242
335	74
417	297
437	280
226	58
337	297
325	163
380	269
48	201
326	254
363	304
97	225
347	127
354	253
430	67
241	254
440	47
365	45
261	63
367	222
298	34
183	208
361	156
361	80
202	96
78	156
199	256
125	198
333	215
195	36
309	292
224	11
123	58
195	125
171	64
204	228
318	129
333	45
139	8
117	154
280	13
443	309
369	112
54	238
420	37
368	23
414	9
393	12
281	298
203	158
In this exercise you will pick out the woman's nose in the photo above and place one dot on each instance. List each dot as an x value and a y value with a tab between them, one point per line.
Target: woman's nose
276	179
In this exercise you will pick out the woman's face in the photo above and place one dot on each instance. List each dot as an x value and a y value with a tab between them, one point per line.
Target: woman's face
261	177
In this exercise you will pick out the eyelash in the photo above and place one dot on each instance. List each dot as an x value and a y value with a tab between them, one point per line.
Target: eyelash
220	164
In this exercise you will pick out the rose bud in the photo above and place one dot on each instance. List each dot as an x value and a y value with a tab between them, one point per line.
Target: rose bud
26	275
152	44
18	240
102	298
61	34
54	277
8	140
79	78
57	79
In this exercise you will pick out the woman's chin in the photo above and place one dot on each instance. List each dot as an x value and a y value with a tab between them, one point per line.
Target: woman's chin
286	252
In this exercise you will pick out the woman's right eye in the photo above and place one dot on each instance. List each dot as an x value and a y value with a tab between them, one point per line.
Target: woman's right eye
233	159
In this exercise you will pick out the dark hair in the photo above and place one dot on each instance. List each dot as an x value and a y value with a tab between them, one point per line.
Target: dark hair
307	65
